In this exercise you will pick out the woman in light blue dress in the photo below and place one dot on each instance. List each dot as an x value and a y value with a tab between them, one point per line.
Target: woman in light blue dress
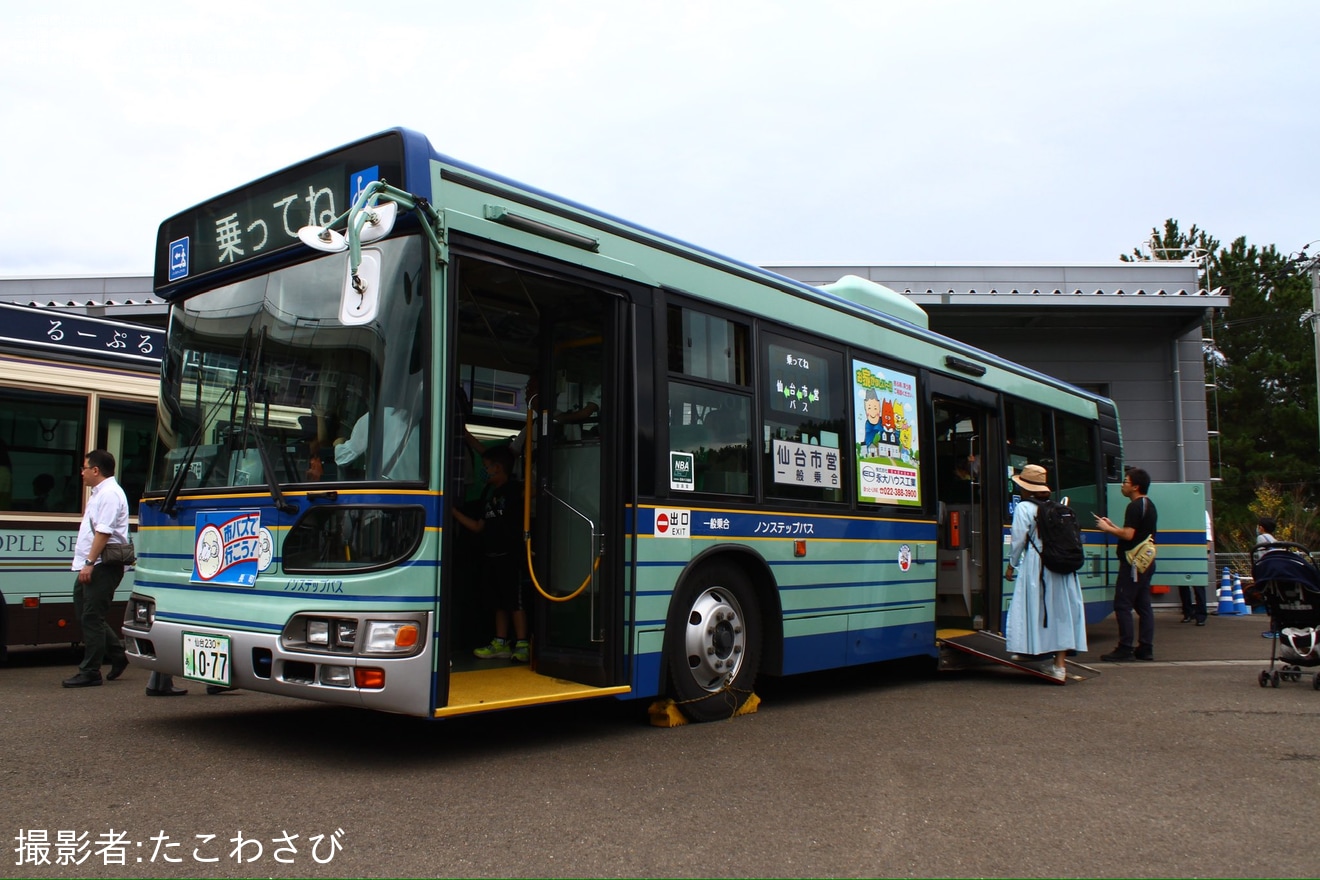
1045	615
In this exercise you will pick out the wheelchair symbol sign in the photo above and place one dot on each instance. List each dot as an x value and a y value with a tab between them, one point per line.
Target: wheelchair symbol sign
179	259
359	180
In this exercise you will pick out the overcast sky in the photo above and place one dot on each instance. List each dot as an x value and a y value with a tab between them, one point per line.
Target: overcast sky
802	132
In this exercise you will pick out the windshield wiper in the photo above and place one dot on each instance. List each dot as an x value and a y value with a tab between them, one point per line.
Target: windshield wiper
169	503
267	466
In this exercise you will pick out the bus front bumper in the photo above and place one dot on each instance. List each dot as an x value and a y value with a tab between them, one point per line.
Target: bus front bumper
260	662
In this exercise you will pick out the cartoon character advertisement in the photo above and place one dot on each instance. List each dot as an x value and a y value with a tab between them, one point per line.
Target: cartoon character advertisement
230	547
888	452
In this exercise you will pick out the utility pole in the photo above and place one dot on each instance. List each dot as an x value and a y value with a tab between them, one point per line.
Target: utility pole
1313	267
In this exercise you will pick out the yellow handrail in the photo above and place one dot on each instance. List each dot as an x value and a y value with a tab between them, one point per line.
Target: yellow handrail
529	444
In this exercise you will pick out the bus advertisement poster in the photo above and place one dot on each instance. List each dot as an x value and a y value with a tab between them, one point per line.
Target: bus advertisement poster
228	547
888	449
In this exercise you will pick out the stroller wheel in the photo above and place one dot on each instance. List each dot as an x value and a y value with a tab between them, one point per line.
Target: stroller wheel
1275	678
1264	678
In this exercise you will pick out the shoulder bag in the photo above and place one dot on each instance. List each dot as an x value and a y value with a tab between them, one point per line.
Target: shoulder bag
119	554
1141	556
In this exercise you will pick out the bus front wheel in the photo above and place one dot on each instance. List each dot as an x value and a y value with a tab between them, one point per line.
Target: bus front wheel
714	644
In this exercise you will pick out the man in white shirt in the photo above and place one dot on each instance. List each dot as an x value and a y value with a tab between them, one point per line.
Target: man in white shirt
105	521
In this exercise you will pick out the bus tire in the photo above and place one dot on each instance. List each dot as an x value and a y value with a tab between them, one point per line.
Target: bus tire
714	644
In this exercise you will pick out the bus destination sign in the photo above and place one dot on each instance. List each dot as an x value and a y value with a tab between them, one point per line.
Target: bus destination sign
262	218
62	331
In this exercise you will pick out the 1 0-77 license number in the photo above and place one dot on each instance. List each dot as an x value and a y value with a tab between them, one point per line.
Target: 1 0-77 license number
206	658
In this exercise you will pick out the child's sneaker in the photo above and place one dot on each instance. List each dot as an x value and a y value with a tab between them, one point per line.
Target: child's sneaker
521	651
498	649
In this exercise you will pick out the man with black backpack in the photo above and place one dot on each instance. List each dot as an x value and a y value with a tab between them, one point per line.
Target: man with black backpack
1132	592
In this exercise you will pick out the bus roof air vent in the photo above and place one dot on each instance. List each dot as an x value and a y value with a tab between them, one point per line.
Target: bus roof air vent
876	296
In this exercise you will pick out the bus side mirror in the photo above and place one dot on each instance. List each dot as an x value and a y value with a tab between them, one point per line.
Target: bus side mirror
360	299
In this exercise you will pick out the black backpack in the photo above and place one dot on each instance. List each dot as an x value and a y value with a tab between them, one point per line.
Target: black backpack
1060	537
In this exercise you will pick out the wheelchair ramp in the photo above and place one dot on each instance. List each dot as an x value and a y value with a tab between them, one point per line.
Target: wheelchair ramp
963	648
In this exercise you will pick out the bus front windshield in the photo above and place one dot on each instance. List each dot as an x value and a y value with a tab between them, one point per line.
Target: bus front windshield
263	384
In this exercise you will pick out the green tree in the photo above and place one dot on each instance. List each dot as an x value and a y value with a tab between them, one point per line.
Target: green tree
1295	520
1173	244
1260	358
1264	368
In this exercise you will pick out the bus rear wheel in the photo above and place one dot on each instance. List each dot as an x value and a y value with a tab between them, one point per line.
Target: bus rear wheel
714	644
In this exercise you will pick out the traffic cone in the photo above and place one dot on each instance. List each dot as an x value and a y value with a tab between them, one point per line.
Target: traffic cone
1239	601
1225	594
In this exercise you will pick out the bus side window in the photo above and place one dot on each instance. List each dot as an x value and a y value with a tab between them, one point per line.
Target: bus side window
43	434
126	430
805	420
716	428
728	432
6	478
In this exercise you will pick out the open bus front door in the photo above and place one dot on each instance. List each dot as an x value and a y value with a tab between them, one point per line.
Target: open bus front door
571	580
968	593
971	476
532	340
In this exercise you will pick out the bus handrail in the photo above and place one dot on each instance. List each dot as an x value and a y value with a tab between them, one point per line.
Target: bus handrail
595	536
528	448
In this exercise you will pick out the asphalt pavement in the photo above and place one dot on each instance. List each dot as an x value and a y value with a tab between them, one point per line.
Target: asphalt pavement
1222	639
1181	767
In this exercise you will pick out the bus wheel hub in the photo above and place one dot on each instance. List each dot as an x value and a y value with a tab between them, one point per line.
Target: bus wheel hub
714	639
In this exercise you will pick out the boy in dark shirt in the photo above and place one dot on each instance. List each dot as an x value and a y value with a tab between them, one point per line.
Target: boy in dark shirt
501	531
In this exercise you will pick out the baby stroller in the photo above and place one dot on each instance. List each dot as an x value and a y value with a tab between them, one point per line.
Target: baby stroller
1287	583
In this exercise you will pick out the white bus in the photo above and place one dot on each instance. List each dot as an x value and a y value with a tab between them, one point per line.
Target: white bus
68	384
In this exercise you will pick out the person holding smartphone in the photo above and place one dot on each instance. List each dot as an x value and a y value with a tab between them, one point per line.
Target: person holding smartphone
1132	592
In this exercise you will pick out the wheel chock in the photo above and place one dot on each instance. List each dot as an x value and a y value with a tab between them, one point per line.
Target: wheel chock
665	713
749	708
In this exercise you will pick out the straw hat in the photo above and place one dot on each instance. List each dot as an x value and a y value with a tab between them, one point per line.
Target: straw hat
1032	479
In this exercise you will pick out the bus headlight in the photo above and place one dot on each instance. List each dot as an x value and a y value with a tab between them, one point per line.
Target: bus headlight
402	636
391	637
318	632
336	635
140	613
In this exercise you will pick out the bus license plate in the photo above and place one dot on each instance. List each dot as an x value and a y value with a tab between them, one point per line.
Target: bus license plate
206	658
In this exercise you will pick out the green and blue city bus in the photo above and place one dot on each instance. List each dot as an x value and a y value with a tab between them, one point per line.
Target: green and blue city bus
772	478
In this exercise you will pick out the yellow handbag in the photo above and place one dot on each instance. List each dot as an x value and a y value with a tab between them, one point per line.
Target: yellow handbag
1141	556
